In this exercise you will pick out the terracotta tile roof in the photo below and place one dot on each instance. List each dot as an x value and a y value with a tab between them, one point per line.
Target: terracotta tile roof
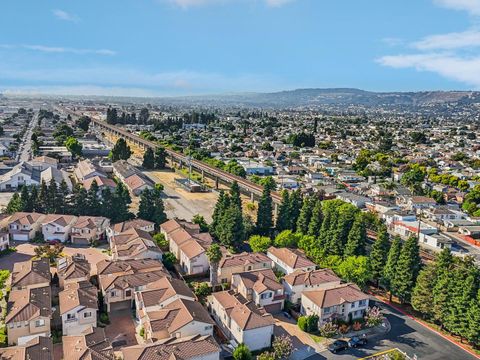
105	267
191	248
295	258
136	181
101	182
82	294
344	293
28	304
91	345
243	259
243	312
194	347
31	272
129	280
177	314
170	225
163	289
39	348
75	267
311	278
126	225
260	280
61	220
26	218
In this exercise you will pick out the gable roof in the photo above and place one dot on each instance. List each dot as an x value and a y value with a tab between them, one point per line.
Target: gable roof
74	267
193	347
31	272
105	267
163	289
91	345
243	259
127	225
38	348
82	294
259	280
344	293
28	304
311	278
293	258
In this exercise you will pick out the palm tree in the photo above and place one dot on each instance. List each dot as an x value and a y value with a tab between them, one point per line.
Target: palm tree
214	256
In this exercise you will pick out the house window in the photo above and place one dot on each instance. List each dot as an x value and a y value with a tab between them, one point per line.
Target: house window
87	314
128	293
362	302
70	316
113	293
266	295
40	323
19	325
208	327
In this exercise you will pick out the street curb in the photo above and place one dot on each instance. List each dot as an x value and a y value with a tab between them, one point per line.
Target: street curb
427	326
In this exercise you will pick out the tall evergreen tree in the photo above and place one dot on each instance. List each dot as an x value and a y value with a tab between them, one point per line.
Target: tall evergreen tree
52	197
316	220
160	158
159	216
296	201
63	194
79	201
442	286
41	205
391	265
379	254
148	159
93	202
340	228
25	197
305	215
231	231
146	208
121	203
357	238
264	214
473	317
283	217
422	296
222	204
235	198
120	151
214	255
407	269
14	205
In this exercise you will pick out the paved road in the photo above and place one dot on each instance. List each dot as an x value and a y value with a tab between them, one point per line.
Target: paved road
408	336
25	149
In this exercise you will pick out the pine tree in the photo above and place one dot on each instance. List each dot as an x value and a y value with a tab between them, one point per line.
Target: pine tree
295	206
391	265
148	159
379	254
42	204
473	317
264	214
340	228
316	220
159	216
33	197
407	269
80	206
305	215
442	286
146	208
62	202
24	198
121	203
357	238
422	296
107	209
214	255
231	231
120	151
222	204
52	197
93	202
14	205
235	198
160	158
283	218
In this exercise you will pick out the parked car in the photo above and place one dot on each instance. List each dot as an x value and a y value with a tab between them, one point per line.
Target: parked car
357	341
338	345
287	315
53	242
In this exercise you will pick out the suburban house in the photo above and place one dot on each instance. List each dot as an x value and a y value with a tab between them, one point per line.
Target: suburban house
118	280
4	235
42	163
237	263
23	226
288	260
78	307
86	170
154	296
58	176
195	347
261	287
137	183
180	318
346	302
437	242
40	347
57	227
299	281
31	274
89	229
241	320
102	183
73	269
134	244
19	176
28	314
140	224
188	245
92	344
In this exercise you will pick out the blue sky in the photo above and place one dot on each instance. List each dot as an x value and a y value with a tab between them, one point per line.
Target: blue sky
182	47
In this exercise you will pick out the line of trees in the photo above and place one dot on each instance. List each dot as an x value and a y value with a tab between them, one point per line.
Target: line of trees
154	160
120	151
53	199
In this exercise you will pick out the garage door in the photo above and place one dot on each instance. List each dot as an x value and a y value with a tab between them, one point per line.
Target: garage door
120	305
273	308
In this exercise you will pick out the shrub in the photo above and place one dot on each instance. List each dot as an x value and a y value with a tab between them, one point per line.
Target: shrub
312	323
302	323
142	332
373	317
344	328
287	239
356	326
104	318
161	241
242	352
202	289
266	356
259	243
328	330
282	347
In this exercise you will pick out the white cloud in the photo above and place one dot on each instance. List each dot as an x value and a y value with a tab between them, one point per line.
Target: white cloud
65	16
471	6
451	66
193	3
455	40
58	49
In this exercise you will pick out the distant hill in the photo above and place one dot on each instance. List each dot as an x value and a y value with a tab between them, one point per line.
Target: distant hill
336	96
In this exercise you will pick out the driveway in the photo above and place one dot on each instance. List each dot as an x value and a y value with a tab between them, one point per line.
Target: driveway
121	330
303	344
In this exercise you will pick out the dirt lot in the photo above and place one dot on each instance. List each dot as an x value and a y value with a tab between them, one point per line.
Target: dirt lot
181	203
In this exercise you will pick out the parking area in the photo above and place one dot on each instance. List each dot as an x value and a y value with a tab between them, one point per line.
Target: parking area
121	330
